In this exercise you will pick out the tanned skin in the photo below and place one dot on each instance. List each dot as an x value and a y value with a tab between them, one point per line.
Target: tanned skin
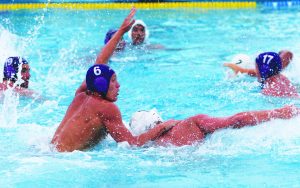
194	129
90	117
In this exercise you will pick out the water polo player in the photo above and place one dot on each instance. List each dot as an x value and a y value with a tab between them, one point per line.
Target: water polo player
139	33
240	63
196	128
273	83
92	114
14	69
110	33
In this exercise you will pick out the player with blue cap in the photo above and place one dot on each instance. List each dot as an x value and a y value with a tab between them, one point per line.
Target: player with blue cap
12	70
242	63
93	115
110	33
268	64
268	67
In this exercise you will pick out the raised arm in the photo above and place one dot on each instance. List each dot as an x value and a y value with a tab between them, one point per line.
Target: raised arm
120	133
109	48
210	124
237	69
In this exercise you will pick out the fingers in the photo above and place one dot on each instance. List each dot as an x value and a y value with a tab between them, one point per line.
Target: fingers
132	13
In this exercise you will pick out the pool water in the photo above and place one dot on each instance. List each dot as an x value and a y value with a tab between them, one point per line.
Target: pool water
185	79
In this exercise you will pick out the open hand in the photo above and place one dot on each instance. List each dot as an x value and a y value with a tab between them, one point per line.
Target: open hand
128	21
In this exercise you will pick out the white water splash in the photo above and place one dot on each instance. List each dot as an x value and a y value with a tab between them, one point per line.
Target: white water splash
293	70
282	135
8	46
9	109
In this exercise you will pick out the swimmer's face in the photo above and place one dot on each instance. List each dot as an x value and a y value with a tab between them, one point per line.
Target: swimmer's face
138	34
113	90
25	73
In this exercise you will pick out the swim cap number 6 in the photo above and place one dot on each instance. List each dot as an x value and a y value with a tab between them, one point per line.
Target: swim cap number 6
98	78
97	71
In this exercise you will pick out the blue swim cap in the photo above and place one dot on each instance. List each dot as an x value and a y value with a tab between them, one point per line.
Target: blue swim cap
269	64
11	68
109	35
98	78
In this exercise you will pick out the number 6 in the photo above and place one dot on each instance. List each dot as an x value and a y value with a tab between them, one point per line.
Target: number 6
97	71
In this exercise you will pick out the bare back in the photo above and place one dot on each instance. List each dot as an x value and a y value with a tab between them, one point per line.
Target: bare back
186	132
82	126
279	86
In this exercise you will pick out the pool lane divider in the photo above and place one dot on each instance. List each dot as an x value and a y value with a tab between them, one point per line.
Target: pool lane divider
281	4
165	5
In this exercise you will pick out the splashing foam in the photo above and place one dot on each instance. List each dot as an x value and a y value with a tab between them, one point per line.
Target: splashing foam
9	111
13	45
37	138
8	46
283	135
293	70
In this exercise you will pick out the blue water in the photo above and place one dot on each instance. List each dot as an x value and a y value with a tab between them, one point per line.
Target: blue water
185	79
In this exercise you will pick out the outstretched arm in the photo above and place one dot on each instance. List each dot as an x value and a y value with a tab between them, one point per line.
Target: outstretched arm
210	124
109	48
237	69
120	133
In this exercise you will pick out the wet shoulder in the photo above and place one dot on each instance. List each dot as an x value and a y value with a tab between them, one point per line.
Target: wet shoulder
95	102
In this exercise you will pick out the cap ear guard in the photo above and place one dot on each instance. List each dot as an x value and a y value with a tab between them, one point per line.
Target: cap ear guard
101	85
11	68
269	64
98	78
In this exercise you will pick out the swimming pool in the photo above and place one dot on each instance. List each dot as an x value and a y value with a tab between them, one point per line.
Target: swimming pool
186	79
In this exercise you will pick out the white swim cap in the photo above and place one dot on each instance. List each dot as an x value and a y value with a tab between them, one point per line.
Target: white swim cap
139	22
243	61
142	121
